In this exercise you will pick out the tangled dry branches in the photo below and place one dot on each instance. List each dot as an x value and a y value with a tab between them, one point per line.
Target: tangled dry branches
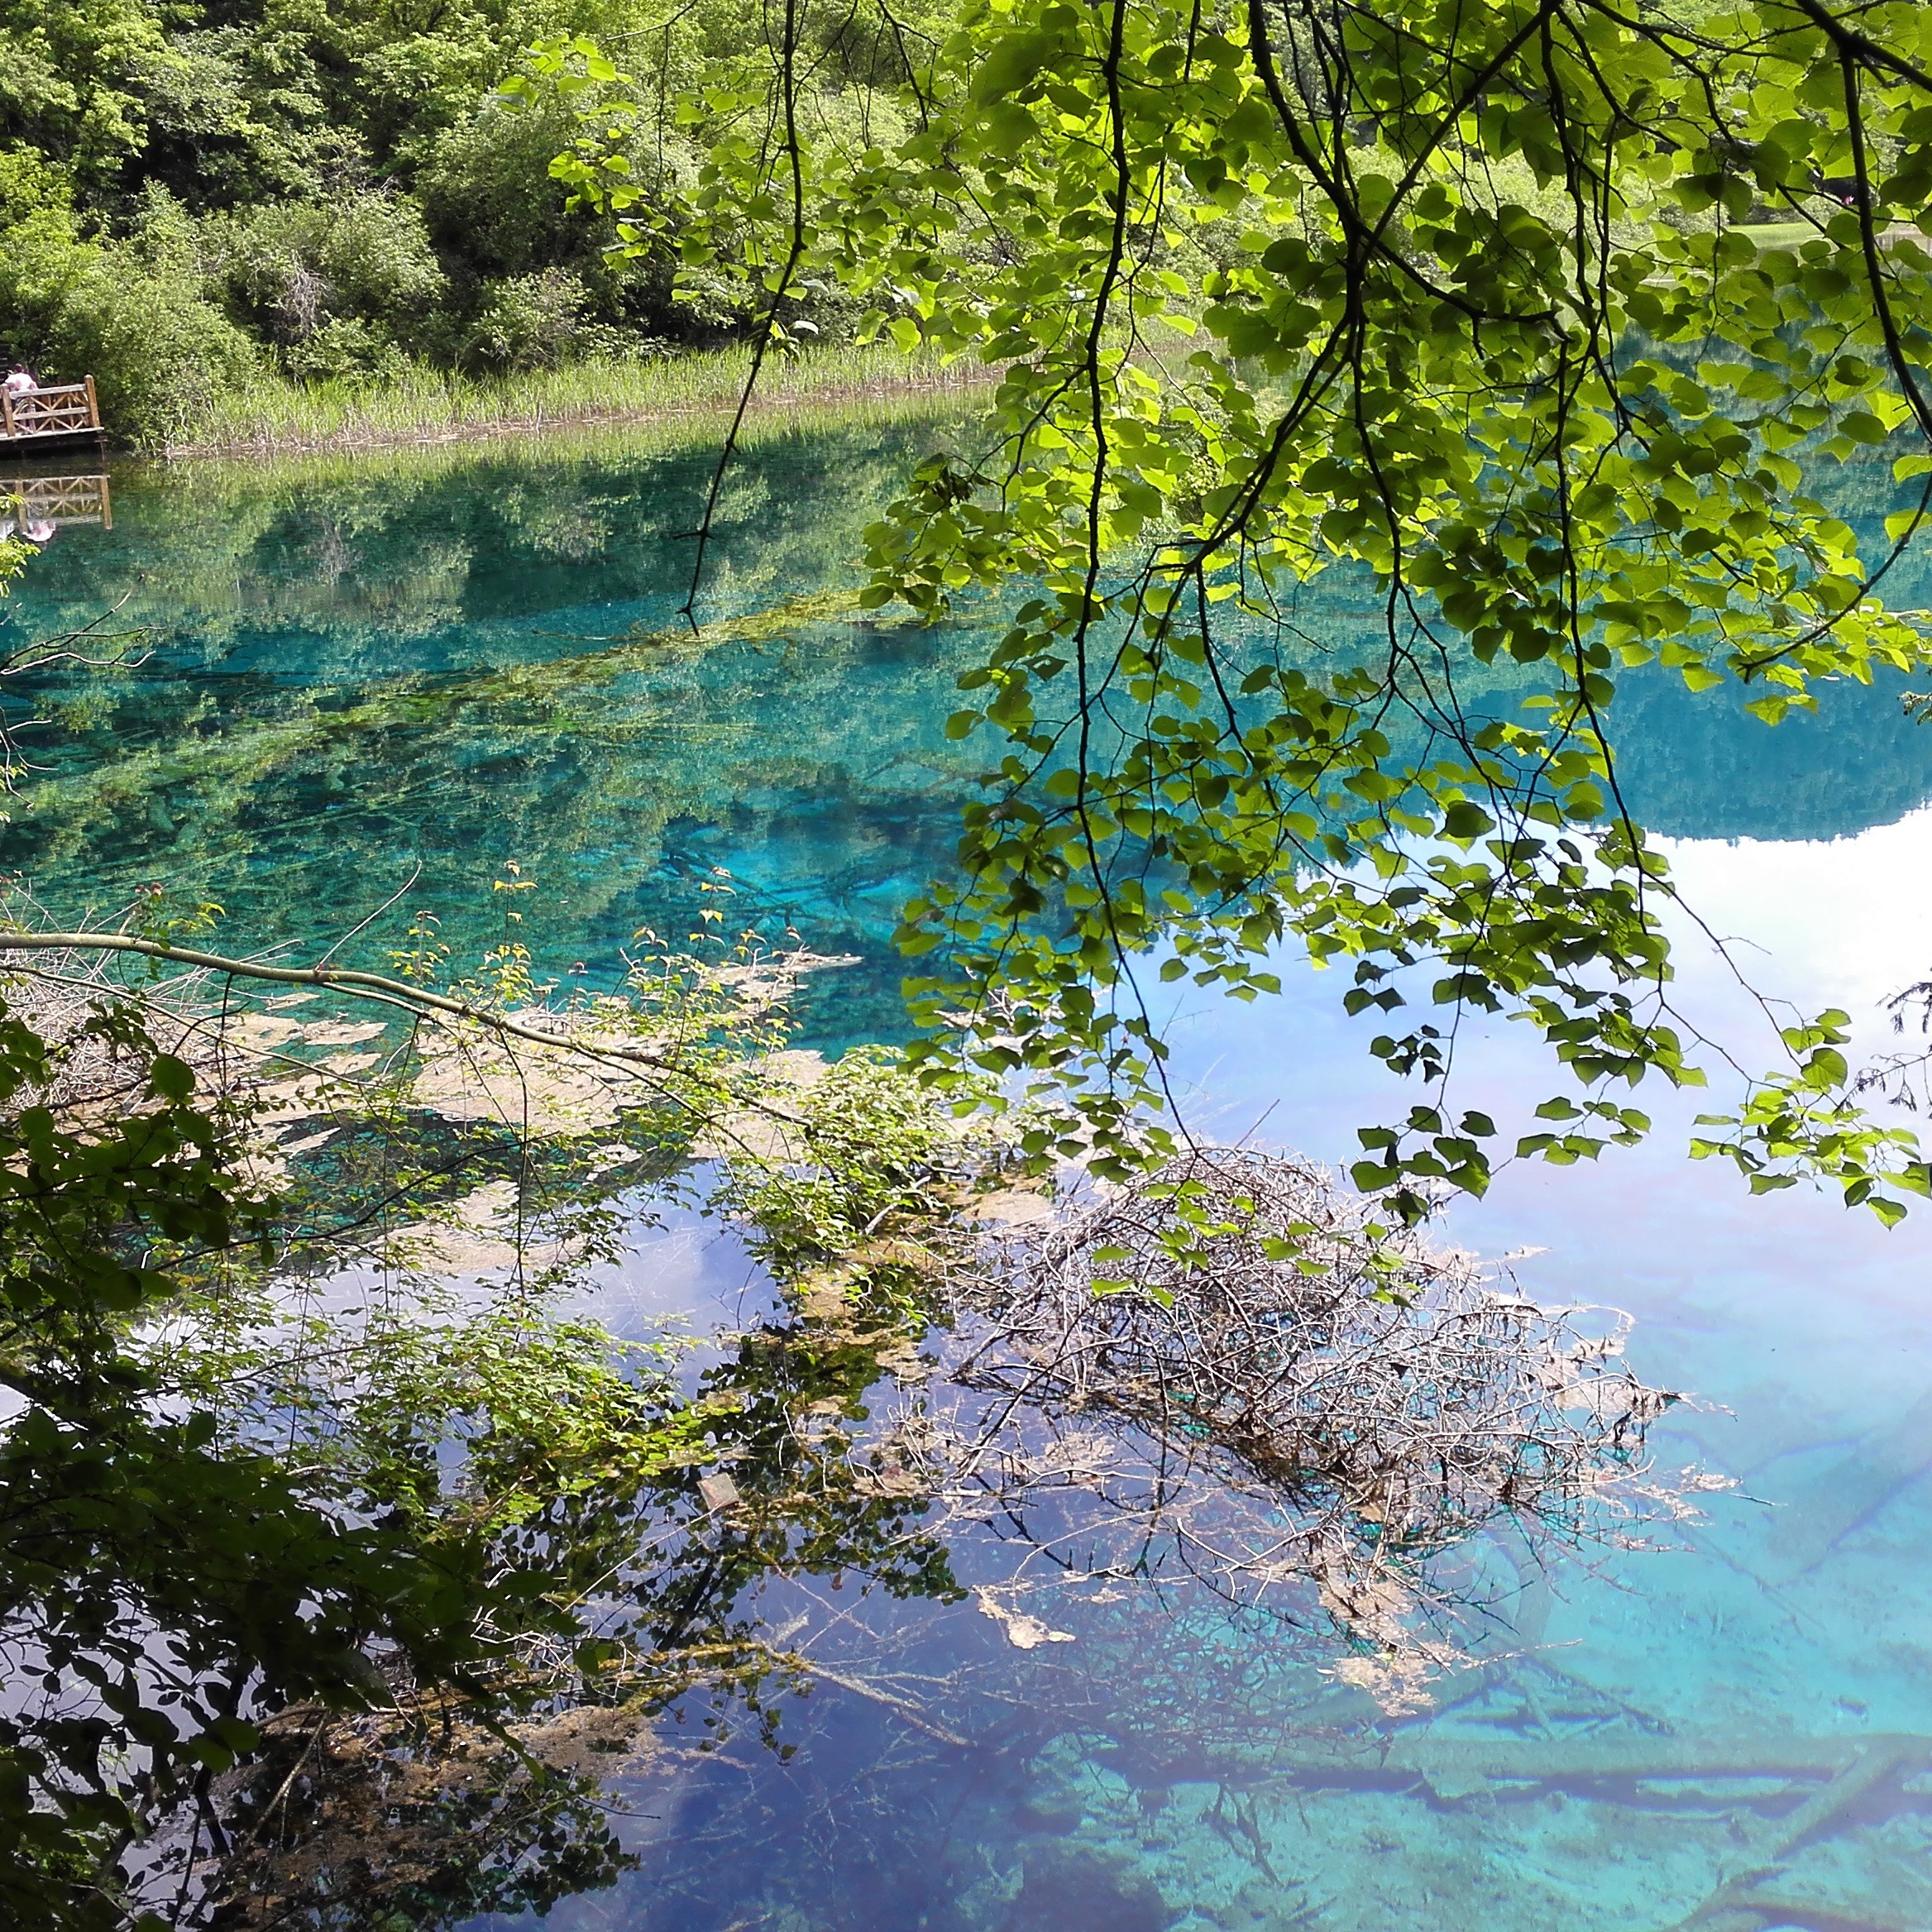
62	997
1396	1398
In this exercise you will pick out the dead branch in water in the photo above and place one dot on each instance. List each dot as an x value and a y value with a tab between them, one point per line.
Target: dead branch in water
1239	1311
606	1033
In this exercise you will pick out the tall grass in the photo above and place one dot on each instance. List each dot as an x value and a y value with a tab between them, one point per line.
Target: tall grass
274	417
623	439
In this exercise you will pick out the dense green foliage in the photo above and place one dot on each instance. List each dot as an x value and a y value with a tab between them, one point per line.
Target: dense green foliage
190	194
1529	310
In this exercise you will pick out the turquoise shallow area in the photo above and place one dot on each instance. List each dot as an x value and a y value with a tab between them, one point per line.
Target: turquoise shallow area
420	667
453	665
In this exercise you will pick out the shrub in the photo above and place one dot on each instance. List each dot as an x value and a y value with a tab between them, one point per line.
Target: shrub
293	268
160	354
347	346
41	253
486	190
132	317
529	322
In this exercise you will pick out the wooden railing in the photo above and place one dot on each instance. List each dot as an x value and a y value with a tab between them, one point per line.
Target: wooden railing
33	500
68	410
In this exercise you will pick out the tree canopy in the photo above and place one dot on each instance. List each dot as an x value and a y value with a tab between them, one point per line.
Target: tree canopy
193	196
1553	318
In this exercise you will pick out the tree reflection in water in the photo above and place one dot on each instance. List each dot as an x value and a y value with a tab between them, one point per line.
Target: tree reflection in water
882	1563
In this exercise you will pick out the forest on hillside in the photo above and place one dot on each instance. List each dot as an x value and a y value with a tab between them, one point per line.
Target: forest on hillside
227	202
197	198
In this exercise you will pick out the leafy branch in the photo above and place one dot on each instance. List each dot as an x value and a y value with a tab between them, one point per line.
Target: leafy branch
1462	308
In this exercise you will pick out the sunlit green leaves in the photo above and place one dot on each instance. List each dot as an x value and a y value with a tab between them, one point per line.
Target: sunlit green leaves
1531	318
1808	1124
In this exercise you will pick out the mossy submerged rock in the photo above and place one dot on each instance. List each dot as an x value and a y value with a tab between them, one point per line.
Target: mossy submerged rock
1073	1888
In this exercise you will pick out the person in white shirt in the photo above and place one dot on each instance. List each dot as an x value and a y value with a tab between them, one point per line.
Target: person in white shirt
19	382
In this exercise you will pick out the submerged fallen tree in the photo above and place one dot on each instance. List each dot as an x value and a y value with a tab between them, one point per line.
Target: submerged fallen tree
1242	1297
1301	1396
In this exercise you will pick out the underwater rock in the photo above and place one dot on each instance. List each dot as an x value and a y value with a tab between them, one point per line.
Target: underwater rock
1847	1495
1071	1888
1055	1813
717	1491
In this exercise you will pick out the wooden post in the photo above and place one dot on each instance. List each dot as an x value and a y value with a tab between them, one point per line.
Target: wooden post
6	411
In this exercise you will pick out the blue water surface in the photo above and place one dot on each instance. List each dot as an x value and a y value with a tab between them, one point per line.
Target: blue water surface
407	676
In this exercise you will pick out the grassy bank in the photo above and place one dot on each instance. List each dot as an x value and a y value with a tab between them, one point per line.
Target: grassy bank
412	461
272	417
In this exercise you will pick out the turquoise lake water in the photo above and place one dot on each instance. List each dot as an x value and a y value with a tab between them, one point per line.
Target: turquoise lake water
406	676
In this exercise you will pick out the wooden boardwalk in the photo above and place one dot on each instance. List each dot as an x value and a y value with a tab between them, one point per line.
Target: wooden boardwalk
57	499
46	415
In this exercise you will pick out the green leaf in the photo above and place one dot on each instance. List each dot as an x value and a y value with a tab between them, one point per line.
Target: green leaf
1015	60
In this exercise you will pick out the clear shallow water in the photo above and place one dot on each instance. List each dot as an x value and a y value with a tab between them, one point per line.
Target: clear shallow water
358	674
424	667
352	680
